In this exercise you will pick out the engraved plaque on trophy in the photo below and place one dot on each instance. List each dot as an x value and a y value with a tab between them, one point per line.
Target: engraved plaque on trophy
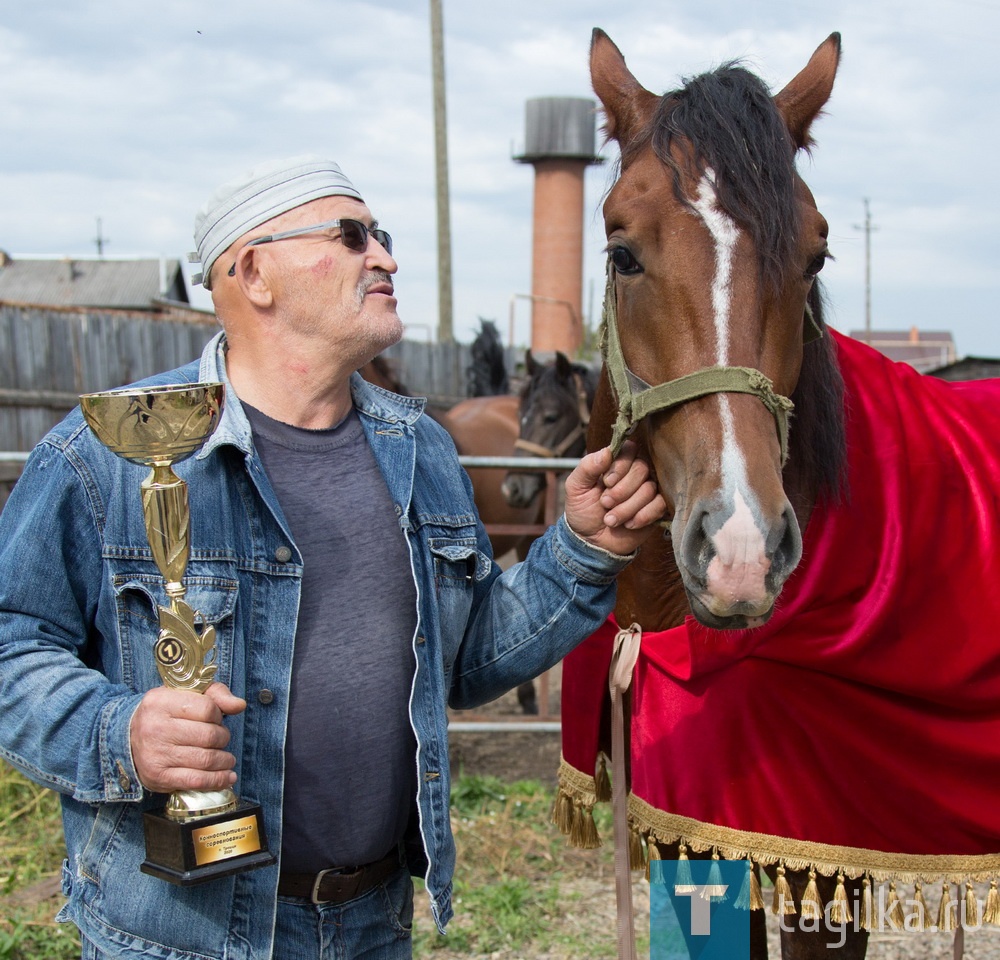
201	835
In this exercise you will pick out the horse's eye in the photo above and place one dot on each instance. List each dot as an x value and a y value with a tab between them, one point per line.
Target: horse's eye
623	261
816	264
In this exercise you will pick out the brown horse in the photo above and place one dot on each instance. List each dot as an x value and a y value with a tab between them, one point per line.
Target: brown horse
713	328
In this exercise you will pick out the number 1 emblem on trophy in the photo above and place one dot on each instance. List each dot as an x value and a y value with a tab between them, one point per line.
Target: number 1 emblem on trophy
200	835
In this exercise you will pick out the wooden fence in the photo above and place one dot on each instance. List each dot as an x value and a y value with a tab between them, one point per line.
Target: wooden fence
48	356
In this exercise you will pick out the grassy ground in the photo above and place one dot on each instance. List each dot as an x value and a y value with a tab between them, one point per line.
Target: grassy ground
31	851
520	891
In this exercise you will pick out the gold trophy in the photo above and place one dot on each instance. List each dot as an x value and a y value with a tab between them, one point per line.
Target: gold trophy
200	835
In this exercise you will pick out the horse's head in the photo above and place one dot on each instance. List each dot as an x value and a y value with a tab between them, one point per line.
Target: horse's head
554	412
713	244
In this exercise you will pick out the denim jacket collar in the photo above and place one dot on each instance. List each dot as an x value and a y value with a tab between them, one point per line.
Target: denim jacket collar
234	428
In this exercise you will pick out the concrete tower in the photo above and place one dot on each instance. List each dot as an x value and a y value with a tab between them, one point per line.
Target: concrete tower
559	142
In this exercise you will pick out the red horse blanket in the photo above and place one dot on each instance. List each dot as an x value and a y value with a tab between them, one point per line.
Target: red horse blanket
858	731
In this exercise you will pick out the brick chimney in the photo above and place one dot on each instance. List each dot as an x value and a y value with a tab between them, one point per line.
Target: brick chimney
560	138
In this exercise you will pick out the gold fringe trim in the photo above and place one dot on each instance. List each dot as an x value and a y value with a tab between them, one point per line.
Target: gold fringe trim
826	859
573	809
573	814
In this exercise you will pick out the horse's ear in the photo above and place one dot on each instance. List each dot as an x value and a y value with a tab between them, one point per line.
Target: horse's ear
564	368
802	99
529	363
626	102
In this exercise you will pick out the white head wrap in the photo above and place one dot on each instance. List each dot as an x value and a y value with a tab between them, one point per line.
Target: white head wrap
254	198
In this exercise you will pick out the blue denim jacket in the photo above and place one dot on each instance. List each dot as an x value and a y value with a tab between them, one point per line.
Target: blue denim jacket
78	599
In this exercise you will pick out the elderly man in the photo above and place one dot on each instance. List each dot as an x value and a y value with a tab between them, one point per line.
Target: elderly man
337	552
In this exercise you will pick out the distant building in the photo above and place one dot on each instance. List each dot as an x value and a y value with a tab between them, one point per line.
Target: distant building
139	285
969	368
922	349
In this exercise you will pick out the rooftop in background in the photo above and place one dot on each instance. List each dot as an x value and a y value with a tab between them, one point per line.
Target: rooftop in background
922	349
129	284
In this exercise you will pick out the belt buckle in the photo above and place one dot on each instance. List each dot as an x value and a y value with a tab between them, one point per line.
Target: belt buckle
317	883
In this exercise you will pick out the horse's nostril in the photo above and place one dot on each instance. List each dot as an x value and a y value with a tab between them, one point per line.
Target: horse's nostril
789	549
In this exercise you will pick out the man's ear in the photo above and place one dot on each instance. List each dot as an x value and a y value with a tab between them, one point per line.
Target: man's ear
251	275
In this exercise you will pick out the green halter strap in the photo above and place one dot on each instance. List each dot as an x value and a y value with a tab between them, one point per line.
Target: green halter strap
637	399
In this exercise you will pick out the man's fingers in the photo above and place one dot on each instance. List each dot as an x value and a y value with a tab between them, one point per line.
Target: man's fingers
226	701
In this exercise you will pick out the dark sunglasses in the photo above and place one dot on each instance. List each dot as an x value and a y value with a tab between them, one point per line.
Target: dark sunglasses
353	234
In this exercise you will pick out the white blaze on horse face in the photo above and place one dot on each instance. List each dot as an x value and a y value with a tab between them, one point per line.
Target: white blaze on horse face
736	574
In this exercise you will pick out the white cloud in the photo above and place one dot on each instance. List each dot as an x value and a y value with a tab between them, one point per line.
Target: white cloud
134	112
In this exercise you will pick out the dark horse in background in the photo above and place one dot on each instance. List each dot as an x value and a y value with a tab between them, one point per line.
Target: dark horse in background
791	704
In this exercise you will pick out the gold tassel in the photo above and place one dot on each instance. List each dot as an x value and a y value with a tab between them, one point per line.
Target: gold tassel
715	879
602	780
756	897
991	914
636	855
683	883
921	911
590	838
867	906
562	812
971	918
812	906
840	909
652	851
895	912
745	898
946	921
783	902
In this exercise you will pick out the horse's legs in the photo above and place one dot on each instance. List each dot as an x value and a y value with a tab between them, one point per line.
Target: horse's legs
526	697
812	940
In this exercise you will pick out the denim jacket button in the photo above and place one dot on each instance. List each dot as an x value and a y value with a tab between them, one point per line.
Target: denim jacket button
265	696
283	554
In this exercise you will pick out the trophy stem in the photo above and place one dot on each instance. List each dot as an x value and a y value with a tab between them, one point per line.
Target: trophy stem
201	835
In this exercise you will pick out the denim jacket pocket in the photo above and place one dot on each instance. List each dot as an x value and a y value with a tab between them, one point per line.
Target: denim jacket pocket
458	562
138	596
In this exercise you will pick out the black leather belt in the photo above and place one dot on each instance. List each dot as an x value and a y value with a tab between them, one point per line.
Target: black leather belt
338	885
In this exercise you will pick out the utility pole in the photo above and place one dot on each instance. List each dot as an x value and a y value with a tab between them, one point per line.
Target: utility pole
445	326
100	240
868	228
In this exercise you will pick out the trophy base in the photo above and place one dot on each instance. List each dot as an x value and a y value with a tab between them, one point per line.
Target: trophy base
196	851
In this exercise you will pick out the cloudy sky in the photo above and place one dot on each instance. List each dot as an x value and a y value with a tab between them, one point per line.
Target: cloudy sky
134	112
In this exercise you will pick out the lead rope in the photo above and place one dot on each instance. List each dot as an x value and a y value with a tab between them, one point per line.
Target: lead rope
623	659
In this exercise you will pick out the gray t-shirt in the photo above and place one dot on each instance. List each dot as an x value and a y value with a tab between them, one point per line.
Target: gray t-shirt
350	752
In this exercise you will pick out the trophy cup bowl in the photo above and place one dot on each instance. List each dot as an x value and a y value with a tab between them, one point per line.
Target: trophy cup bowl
200	835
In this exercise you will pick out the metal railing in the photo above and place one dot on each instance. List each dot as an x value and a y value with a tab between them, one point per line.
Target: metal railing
551	467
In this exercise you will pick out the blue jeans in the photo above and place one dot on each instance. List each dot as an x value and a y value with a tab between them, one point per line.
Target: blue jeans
375	926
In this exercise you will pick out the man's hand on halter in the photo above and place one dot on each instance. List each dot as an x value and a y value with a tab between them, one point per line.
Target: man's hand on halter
613	504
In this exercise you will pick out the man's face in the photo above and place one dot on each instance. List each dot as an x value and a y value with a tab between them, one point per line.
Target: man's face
326	291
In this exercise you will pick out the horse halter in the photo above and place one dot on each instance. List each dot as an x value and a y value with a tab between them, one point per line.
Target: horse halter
637	399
